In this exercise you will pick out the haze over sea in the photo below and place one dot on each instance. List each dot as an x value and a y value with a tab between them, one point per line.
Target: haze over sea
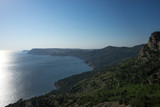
24	76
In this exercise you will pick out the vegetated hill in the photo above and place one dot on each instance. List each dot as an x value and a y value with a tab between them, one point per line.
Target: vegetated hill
111	55
100	59
57	51
134	82
97	58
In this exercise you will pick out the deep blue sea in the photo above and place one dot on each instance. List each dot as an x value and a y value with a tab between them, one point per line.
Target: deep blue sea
23	76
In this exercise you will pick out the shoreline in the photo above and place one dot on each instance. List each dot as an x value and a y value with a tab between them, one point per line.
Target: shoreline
52	84
56	84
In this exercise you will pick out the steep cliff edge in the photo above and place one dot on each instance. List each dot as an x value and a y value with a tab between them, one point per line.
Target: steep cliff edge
151	48
154	41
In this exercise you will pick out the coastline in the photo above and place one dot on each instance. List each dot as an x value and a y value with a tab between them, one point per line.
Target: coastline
60	81
52	82
57	83
93	58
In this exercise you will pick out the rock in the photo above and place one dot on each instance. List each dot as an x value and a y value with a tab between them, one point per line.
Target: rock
154	41
151	48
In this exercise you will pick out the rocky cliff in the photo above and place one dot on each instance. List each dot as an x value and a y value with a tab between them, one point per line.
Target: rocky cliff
154	41
151	48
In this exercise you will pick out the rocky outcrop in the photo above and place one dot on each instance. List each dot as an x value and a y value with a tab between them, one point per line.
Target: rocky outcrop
151	48
154	41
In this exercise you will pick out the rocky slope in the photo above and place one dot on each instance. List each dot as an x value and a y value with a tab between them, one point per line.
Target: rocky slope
151	48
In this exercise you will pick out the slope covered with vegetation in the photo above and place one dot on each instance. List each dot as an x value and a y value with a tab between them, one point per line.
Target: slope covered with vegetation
134	82
97	58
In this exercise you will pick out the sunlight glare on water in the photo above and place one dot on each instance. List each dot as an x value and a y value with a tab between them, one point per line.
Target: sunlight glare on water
5	78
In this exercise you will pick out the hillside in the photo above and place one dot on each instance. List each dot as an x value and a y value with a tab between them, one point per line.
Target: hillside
97	58
134	82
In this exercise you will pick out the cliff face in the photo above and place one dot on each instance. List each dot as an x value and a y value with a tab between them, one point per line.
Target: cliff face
154	41
151	48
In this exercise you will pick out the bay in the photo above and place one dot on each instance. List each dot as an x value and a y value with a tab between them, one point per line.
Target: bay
23	76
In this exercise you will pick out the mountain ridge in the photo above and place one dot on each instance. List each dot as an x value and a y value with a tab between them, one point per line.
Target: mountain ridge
92	56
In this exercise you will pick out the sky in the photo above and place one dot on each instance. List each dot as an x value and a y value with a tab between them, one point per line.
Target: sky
88	24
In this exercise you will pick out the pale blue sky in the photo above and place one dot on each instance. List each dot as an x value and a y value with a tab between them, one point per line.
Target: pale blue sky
26	24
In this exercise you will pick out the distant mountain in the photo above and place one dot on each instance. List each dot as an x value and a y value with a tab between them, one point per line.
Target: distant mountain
111	55
56	51
94	57
134	82
26	51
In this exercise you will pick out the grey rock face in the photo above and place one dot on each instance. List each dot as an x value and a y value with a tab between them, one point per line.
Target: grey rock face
154	41
151	48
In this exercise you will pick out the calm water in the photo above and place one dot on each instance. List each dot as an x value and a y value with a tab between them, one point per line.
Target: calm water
25	76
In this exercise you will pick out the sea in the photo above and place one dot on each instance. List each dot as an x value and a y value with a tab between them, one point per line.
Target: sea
23	75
